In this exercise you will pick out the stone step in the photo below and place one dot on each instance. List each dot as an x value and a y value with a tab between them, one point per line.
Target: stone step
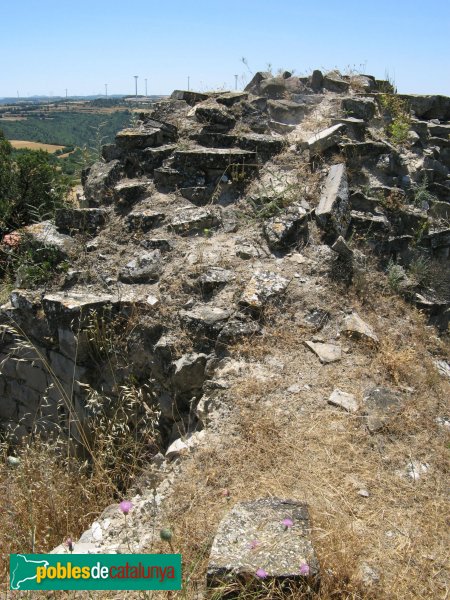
214	158
144	219
83	220
264	146
195	220
129	191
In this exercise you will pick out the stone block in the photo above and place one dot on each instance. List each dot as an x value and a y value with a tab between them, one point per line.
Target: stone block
84	220
325	139
262	288
333	212
361	108
129	191
144	219
74	308
333	82
191	98
100	180
143	269
33	374
195	220
269	538
189	372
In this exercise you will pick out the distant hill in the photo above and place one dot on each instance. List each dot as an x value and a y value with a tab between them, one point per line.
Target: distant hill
40	99
67	128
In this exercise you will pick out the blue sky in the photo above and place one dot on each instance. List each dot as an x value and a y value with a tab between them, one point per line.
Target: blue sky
49	45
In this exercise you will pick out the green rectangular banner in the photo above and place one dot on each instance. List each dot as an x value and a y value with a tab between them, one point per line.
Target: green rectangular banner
95	571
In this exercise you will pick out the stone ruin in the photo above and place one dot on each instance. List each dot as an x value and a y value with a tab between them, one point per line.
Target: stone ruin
161	237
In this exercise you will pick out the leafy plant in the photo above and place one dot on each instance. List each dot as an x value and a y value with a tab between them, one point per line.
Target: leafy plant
422	196
30	264
419	269
396	274
398	117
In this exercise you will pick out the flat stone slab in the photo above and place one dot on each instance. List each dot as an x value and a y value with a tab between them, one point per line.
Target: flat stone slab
206	319
189	97
355	326
327	353
195	220
333	212
213	279
231	98
343	400
73	308
265	538
152	134
325	139
45	234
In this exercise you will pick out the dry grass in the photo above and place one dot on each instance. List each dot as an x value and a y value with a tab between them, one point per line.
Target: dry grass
35	146
298	447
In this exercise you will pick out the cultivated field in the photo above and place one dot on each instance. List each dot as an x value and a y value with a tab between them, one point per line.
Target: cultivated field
35	145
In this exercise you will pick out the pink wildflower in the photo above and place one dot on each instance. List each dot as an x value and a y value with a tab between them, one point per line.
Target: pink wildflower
304	569
125	506
261	573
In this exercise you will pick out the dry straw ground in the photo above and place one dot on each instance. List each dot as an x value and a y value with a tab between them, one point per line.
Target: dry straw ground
292	446
35	145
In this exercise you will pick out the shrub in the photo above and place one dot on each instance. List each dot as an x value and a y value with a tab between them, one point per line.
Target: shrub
31	186
398	117
396	274
422	196
29	264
